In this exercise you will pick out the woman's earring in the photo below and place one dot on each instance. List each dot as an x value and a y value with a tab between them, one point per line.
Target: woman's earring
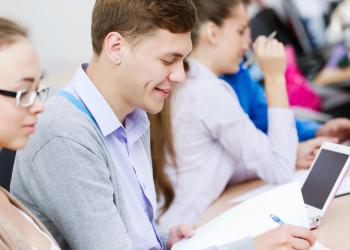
117	61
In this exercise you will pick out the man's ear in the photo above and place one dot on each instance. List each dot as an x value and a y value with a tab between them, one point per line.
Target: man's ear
210	33
114	43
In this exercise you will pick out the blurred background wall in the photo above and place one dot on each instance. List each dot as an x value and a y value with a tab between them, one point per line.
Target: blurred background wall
60	30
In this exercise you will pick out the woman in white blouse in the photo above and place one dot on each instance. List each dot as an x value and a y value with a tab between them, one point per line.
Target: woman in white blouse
208	141
21	100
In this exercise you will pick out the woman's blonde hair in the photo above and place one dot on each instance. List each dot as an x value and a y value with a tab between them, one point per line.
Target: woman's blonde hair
10	32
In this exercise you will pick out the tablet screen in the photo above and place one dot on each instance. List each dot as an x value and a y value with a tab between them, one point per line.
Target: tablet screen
322	177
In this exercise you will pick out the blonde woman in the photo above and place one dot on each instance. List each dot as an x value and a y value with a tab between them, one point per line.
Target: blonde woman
21	100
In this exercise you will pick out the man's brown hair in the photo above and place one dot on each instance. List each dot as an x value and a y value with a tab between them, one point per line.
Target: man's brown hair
10	32
134	18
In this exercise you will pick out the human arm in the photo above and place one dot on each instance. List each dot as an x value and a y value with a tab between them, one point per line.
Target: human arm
271	58
271	156
71	185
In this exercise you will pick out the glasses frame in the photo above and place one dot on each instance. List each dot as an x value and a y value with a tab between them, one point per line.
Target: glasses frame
19	94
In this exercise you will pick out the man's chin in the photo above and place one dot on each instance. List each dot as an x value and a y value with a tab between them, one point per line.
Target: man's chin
154	109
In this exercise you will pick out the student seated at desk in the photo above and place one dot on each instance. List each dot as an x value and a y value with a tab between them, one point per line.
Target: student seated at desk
209	140
20	104
87	172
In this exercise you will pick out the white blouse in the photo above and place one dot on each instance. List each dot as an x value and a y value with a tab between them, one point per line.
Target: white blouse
216	143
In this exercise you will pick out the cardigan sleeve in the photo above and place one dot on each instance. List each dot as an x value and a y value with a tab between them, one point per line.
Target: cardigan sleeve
76	194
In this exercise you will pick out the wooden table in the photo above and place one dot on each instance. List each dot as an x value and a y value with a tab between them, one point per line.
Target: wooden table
334	231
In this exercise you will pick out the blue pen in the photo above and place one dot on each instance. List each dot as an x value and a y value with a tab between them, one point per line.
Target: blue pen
276	219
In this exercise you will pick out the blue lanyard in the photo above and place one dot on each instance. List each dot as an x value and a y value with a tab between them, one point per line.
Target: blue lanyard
78	104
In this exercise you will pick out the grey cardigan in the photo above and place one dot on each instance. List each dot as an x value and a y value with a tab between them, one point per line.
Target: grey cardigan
68	179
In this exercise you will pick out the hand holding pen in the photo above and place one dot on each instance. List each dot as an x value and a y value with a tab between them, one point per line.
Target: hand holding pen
270	55
250	59
285	237
272	59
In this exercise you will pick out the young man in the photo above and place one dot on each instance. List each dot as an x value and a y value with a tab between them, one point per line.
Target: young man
86	174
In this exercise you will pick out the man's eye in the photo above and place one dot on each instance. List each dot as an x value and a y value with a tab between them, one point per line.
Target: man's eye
167	62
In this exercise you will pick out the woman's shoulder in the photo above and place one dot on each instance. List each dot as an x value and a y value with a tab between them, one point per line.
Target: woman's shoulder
13	200
9	236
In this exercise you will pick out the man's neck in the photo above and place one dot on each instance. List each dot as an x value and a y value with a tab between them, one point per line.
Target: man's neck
102	76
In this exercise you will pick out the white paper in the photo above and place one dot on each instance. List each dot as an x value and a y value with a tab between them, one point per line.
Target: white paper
344	187
251	218
300	177
318	246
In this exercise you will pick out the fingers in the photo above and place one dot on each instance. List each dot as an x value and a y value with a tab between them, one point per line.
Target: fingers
178	233
317	142
263	45
285	237
301	233
270	55
336	127
304	164
259	44
185	231
341	122
300	244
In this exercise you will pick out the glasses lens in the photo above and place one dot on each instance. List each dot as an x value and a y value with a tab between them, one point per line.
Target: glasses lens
27	98
43	94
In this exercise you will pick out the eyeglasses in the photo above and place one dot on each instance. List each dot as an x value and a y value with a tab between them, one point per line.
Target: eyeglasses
26	99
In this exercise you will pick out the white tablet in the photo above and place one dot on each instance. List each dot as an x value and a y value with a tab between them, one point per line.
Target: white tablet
324	178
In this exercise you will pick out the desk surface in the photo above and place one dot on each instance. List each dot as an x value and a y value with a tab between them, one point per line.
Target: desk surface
333	232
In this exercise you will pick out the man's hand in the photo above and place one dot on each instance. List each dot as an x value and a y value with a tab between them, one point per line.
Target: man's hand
178	233
285	237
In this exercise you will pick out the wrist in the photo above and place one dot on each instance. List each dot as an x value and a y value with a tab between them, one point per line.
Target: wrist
271	78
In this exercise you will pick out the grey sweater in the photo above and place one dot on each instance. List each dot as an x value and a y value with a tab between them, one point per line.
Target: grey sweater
68	179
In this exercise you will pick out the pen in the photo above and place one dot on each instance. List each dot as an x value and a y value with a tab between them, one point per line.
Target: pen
250	58
276	219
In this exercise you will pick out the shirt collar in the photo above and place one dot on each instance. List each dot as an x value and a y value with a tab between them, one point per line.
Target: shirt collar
198	69
136	123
